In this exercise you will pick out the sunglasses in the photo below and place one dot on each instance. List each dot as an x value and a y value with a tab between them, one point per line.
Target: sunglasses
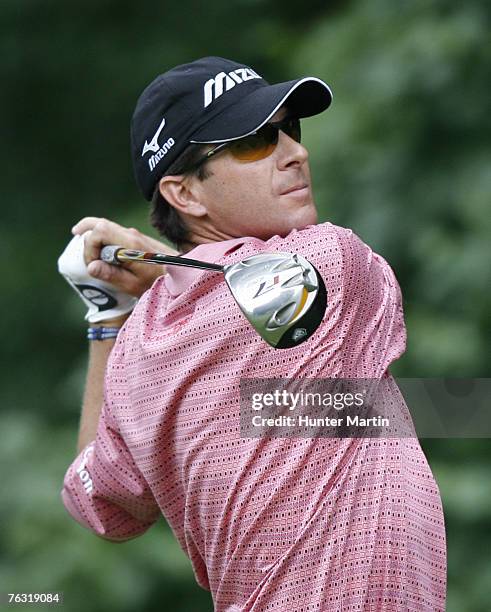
258	145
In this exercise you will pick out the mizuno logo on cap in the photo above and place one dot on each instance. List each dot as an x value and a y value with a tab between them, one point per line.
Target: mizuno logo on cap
215	87
158	151
153	145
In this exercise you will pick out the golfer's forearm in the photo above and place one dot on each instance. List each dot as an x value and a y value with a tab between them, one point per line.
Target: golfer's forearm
94	391
99	351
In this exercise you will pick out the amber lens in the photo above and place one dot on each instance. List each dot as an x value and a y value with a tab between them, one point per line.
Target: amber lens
256	146
261	144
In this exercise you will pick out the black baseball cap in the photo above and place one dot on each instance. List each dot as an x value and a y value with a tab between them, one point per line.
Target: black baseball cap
210	100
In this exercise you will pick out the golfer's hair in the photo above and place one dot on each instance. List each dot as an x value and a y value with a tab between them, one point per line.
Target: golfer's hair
164	217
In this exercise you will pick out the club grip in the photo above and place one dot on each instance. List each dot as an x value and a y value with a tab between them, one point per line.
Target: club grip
109	254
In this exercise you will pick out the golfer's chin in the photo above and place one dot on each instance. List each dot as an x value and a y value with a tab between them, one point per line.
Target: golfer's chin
306	214
302	218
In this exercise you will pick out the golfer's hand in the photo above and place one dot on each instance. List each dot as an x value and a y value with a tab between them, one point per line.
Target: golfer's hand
131	278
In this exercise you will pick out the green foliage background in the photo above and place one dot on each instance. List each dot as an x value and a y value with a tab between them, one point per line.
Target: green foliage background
402	157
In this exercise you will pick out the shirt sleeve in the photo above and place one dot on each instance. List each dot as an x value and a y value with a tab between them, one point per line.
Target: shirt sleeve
367	322
103	488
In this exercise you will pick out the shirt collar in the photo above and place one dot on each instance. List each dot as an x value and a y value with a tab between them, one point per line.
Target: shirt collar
178	279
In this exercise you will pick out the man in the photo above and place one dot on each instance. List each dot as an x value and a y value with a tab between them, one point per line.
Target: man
268	523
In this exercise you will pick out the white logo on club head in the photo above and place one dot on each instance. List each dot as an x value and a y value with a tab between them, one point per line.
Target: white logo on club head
299	333
153	145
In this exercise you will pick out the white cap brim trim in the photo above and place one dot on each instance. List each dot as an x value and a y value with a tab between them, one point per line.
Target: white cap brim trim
275	109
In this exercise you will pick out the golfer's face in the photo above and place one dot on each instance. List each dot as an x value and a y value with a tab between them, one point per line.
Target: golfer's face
261	198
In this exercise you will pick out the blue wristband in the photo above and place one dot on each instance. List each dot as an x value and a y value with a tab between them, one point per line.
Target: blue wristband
102	333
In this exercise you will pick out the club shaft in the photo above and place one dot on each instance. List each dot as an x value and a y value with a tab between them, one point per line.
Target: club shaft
116	254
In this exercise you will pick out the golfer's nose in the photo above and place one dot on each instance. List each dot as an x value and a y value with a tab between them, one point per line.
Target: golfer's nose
290	152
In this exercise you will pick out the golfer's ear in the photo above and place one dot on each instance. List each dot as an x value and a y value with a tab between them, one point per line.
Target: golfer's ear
181	193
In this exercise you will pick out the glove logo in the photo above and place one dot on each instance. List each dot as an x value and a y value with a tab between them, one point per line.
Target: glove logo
98	297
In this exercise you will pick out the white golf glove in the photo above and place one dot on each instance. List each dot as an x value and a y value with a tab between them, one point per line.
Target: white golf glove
103	300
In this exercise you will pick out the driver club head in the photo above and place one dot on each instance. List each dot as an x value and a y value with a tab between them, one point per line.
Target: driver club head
282	295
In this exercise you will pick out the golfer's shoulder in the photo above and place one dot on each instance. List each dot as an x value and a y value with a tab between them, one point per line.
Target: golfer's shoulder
324	243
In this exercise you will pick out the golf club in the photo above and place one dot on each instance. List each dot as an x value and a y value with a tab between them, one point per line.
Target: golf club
282	295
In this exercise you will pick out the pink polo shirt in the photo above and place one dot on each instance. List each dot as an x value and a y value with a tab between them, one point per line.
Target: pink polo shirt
268	523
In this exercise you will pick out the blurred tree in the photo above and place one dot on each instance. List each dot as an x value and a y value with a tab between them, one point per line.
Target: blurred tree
402	157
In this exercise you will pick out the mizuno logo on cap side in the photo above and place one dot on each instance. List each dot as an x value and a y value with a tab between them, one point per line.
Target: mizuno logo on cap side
153	145
215	87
